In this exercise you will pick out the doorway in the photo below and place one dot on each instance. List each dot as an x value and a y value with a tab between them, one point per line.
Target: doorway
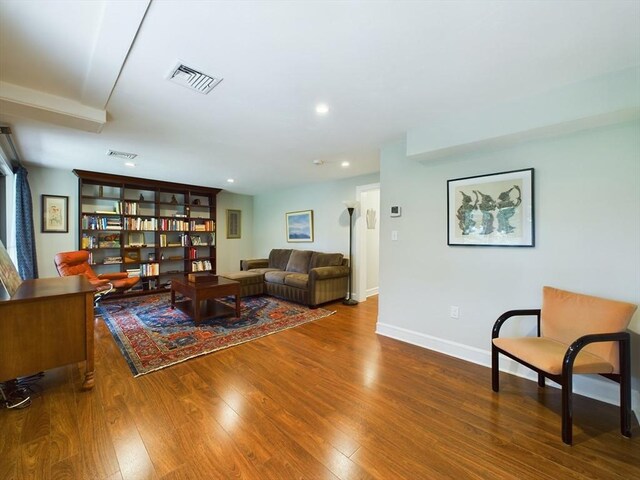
367	240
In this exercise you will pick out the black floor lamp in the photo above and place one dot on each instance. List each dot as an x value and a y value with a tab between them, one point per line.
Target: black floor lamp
351	206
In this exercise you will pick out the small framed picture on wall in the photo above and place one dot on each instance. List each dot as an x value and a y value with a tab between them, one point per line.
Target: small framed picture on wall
55	214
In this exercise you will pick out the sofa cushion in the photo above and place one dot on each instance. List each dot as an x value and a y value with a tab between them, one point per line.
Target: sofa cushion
262	271
275	276
319	259
297	280
299	261
279	257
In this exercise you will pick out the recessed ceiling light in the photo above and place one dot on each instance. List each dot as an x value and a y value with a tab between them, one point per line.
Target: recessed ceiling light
129	164
322	109
345	164
230	180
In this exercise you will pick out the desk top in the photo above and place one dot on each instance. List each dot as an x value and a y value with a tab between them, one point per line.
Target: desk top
49	287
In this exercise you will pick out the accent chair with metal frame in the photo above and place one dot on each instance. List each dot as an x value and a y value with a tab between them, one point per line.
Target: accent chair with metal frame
576	334
77	263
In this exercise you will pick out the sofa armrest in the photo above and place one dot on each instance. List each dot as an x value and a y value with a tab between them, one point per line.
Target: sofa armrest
254	263
324	273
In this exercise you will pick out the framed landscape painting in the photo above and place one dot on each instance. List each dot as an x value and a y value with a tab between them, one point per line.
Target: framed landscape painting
494	210
300	226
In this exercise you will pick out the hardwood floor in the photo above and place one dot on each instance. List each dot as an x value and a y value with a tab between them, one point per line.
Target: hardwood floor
327	400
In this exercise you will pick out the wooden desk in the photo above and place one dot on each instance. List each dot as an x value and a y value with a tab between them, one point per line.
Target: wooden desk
48	323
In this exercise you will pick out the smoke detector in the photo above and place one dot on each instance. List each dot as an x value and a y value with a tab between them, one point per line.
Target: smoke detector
317	161
192	79
125	155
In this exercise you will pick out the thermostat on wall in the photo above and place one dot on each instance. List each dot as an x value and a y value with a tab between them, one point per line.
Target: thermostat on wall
396	211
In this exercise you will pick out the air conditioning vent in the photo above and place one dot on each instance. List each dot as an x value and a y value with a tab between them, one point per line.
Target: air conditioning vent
125	155
192	78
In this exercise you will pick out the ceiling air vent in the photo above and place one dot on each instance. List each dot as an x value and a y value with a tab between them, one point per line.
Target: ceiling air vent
125	155
192	78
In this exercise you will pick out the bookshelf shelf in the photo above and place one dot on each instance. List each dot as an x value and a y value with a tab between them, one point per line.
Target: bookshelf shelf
145	222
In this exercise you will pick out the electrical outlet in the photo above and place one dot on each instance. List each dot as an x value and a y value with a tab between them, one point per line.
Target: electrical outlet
454	312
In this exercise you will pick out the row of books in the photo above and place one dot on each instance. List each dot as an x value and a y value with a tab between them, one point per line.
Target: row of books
145	270
141	223
202	226
100	241
200	266
97	222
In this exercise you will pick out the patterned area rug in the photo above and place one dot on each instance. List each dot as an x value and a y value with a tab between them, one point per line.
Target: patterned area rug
152	336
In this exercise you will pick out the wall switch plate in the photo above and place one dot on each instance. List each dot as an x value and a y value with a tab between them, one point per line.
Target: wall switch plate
394	235
454	312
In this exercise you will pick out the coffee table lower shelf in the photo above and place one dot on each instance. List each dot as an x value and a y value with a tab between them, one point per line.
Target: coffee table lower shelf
201	303
208	309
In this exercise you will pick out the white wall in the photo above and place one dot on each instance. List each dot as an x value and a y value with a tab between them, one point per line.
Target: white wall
229	251
587	204
50	181
331	220
371	200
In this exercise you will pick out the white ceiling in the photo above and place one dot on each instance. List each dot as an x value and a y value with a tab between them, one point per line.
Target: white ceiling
383	67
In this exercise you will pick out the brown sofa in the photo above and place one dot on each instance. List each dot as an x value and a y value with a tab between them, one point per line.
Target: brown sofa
302	276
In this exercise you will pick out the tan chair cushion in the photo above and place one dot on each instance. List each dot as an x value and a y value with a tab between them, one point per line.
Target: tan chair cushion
547	355
567	316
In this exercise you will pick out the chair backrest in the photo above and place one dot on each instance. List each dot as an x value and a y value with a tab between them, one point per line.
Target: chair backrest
566	316
74	263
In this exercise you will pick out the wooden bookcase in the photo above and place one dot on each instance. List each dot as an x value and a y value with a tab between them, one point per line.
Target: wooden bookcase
157	230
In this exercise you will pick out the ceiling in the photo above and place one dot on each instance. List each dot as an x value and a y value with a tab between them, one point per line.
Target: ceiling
382	68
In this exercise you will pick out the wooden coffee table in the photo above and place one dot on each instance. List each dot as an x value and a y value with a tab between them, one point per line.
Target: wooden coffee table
199	307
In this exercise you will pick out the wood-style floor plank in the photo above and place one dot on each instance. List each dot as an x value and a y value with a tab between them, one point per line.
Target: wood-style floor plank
327	400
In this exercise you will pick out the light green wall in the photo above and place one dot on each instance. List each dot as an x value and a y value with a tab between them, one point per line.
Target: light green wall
587	204
229	251
50	181
331	220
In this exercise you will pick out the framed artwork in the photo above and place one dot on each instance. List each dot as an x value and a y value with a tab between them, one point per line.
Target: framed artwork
300	226
234	223
9	276
55	214
494	210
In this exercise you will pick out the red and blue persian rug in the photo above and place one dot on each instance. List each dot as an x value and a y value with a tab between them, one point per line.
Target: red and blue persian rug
151	335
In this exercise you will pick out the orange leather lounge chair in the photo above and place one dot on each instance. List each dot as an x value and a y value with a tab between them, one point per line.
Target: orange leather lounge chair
77	263
575	334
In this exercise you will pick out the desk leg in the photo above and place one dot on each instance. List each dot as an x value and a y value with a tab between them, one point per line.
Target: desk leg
89	375
196	310
173	298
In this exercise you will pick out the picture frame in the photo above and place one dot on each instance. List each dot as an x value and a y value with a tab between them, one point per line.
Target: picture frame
132	255
234	223
55	214
299	226
493	210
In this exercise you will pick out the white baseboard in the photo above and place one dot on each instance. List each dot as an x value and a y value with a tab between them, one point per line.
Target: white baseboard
372	291
589	386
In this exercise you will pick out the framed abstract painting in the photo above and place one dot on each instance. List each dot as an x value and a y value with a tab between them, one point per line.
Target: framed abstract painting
494	210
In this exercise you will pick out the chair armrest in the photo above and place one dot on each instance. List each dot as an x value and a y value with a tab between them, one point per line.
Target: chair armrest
254	263
324	273
572	352
514	313
113	276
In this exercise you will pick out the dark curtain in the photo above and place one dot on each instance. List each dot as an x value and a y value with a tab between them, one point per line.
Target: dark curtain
25	237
